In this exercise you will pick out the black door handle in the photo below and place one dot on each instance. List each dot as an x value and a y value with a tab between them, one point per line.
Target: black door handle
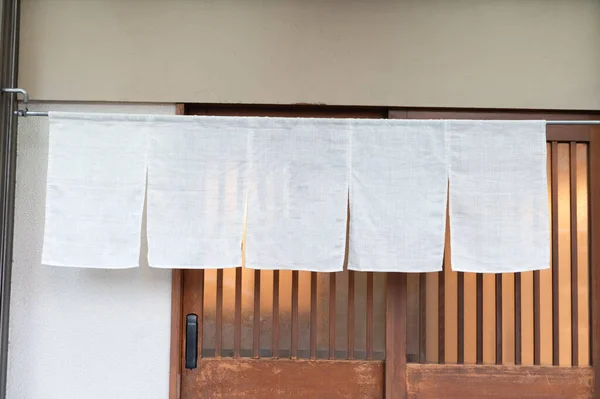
191	341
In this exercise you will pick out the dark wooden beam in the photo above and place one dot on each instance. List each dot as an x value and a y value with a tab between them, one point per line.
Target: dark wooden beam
594	220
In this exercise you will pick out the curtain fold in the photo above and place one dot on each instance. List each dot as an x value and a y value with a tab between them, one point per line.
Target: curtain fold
285	183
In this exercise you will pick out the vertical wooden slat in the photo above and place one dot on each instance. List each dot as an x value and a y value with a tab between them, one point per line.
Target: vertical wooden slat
422	318
594	245
350	314
332	292
479	319
256	316
498	305
460	323
537	332
237	323
219	316
488	323
555	282
442	315
574	260
294	349
313	315
370	318
395	337
176	344
275	332
518	350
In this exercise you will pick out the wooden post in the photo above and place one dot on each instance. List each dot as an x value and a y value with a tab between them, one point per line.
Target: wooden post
177	342
395	336
594	187
395	323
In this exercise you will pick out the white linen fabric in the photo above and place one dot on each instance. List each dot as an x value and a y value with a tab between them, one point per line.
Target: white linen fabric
95	190
197	173
298	194
287	182
499	217
398	193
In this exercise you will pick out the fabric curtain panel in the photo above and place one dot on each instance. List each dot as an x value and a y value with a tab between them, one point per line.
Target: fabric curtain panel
273	193
197	173
398	192
499	215
298	194
95	190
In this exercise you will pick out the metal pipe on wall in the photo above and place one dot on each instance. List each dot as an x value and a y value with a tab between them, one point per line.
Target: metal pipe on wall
9	47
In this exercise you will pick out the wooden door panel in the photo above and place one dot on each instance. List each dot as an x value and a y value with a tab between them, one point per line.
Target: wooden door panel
311	316
434	381
525	335
328	331
270	335
284	378
513	325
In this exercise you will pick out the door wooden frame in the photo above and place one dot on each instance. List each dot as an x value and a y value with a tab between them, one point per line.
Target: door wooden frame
176	329
395	337
594	221
176	346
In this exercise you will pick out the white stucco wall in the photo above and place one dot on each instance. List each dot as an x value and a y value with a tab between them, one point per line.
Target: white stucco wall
76	333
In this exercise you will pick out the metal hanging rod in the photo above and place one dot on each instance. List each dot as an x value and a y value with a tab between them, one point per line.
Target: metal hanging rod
580	122
25	112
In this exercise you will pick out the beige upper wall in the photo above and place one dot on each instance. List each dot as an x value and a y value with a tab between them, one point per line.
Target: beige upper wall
446	53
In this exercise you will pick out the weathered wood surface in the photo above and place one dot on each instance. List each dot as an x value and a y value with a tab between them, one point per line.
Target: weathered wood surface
271	378
176	342
498	382
284	378
395	336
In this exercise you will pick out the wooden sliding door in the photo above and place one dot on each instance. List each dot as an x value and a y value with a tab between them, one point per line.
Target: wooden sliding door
284	334
521	335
